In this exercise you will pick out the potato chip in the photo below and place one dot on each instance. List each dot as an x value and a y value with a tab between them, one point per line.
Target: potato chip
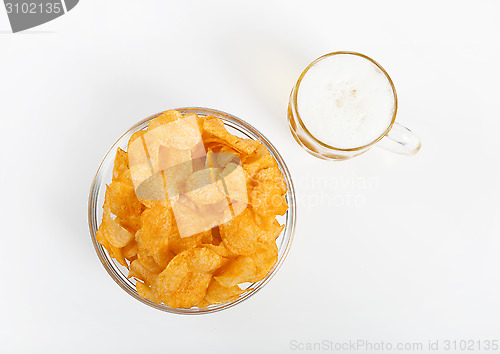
219	212
239	270
265	257
203	188
207	237
148	261
228	150
272	232
138	160
145	291
223	159
190	293
210	120
153	244
234	182
252	165
121	200
271	176
152	190
130	251
192	219
202	260
163	256
254	146
114	233
198	156
220	249
117	254
225	155
218	133
178	244
140	271
267	200
178	160
157	224
172	277
240	234
101	237
264	222
180	133
164	118
203	304
261	149
120	168
218	294
185	280
213	145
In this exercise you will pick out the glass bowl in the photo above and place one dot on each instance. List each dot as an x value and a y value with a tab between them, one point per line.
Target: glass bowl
104	174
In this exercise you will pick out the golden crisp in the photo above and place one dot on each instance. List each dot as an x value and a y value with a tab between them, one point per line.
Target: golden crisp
157	225
121	200
114	233
237	271
219	294
120	168
185	280
241	234
265	257
145	291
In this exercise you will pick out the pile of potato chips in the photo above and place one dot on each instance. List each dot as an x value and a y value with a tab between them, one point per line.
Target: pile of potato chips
191	211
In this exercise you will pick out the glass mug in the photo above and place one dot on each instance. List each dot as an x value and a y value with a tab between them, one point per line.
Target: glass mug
396	137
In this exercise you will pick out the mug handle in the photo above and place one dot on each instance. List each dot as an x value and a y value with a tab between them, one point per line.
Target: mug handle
400	140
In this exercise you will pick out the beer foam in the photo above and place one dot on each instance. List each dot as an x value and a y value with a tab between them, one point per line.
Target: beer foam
345	101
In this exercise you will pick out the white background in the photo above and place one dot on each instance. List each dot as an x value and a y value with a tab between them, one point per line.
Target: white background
387	247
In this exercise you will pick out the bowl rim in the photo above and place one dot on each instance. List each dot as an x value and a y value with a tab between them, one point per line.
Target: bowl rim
111	267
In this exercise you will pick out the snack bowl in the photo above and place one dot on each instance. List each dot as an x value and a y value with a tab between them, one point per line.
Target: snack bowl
104	174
